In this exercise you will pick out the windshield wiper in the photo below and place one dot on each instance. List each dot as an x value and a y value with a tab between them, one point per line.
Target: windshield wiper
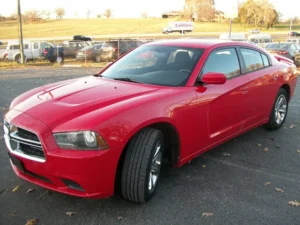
97	75
127	79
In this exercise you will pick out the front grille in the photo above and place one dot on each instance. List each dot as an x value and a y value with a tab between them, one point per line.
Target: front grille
27	135
25	143
32	150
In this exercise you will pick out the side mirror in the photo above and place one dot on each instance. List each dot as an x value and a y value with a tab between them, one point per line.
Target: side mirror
213	78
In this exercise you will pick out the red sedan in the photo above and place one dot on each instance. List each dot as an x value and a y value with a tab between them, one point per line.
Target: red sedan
108	133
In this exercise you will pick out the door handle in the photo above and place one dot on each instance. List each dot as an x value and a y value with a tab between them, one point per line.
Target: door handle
244	90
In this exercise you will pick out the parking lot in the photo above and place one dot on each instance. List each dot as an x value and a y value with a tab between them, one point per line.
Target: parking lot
249	180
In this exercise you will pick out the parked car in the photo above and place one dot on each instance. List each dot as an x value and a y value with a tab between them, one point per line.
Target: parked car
260	39
255	31
81	38
286	49
90	53
294	34
32	50
233	37
68	49
97	135
113	49
1	43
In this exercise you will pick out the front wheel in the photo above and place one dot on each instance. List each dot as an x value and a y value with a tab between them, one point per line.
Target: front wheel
142	165
279	111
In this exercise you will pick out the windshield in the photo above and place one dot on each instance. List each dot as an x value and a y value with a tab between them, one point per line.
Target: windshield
158	65
87	48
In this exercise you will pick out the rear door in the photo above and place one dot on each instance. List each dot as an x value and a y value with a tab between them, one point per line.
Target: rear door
35	52
227	103
263	84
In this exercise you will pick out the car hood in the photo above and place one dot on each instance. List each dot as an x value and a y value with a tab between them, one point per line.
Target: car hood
61	102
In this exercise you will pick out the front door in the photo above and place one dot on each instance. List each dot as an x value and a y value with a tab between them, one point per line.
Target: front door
226	104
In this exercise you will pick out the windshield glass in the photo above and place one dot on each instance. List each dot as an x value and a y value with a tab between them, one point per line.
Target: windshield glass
158	65
87	48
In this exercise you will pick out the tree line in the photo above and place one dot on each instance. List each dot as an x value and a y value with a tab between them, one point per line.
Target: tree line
251	13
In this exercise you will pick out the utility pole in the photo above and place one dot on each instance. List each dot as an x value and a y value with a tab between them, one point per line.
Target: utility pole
230	27
291	24
21	33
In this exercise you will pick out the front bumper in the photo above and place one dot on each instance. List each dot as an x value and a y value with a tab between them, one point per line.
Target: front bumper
88	174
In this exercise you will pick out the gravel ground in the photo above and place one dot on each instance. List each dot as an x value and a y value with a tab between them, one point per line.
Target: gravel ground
237	185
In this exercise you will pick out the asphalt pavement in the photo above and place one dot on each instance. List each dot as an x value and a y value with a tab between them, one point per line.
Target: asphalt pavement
247	181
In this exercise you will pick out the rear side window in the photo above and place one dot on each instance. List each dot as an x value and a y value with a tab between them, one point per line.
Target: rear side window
253	60
223	61
265	60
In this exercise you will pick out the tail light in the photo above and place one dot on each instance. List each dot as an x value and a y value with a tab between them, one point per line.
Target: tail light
45	52
5	55
282	52
114	49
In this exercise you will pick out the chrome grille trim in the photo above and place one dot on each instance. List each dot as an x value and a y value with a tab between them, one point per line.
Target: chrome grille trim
23	140
13	137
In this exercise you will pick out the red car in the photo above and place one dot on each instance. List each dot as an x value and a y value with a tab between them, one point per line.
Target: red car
108	133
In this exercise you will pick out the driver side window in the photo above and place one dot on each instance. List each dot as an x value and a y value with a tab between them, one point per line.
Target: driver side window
224	61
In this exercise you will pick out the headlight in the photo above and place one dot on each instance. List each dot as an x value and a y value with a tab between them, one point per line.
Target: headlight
82	140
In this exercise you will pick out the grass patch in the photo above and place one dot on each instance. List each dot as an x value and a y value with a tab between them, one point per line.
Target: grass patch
45	63
70	27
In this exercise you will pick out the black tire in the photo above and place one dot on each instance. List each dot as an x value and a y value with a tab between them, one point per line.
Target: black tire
18	59
60	58
273	124
138	165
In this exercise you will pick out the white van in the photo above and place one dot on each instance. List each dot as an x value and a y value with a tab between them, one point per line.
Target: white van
233	37
260	39
181	27
296	41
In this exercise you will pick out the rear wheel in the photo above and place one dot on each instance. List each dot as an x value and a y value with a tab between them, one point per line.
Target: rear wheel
279	112
18	59
142	165
60	59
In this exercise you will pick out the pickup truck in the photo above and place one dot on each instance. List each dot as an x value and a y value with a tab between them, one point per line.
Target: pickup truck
3	53
67	50
32	50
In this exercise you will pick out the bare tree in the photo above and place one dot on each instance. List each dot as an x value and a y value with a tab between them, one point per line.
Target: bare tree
88	13
33	15
107	13
47	14
144	15
258	13
60	13
201	10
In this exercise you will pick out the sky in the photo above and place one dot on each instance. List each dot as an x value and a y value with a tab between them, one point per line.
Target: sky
132	8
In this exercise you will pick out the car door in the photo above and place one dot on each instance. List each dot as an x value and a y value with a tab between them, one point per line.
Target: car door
262	87
225	105
35	51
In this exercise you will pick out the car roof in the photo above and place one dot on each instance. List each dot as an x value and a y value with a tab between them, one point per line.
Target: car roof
200	43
